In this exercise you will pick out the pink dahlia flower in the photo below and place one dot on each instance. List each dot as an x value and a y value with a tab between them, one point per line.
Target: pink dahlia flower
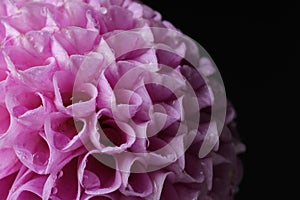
101	99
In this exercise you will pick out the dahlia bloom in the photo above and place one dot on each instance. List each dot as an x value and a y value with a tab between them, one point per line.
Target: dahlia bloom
101	99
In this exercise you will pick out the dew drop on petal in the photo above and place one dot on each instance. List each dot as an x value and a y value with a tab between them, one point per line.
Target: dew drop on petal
38	47
13	190
44	11
30	38
113	51
60	174
103	10
54	190
23	155
40	158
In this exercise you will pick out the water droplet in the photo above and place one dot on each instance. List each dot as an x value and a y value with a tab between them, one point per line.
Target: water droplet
155	186
113	51
13	190
44	11
103	10
30	38
39	48
54	190
60	174
22	155
147	143
40	158
140	77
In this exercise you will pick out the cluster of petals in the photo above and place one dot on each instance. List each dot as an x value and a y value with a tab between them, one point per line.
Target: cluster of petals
52	133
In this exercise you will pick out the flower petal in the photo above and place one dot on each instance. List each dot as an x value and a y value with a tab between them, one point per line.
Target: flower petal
98	178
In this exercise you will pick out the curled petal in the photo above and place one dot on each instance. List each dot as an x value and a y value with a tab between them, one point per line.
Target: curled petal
63	184
27	185
118	19
33	151
40	77
136	184
31	17
71	39
27	106
110	137
64	132
96	177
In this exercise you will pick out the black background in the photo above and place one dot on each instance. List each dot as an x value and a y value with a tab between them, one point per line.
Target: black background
254	47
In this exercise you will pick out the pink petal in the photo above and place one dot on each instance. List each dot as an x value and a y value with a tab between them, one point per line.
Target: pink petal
31	17
71	39
64	184
5	185
33	151
27	185
137	184
108	136
118	19
27	106
96	177
63	132
5	120
9	162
